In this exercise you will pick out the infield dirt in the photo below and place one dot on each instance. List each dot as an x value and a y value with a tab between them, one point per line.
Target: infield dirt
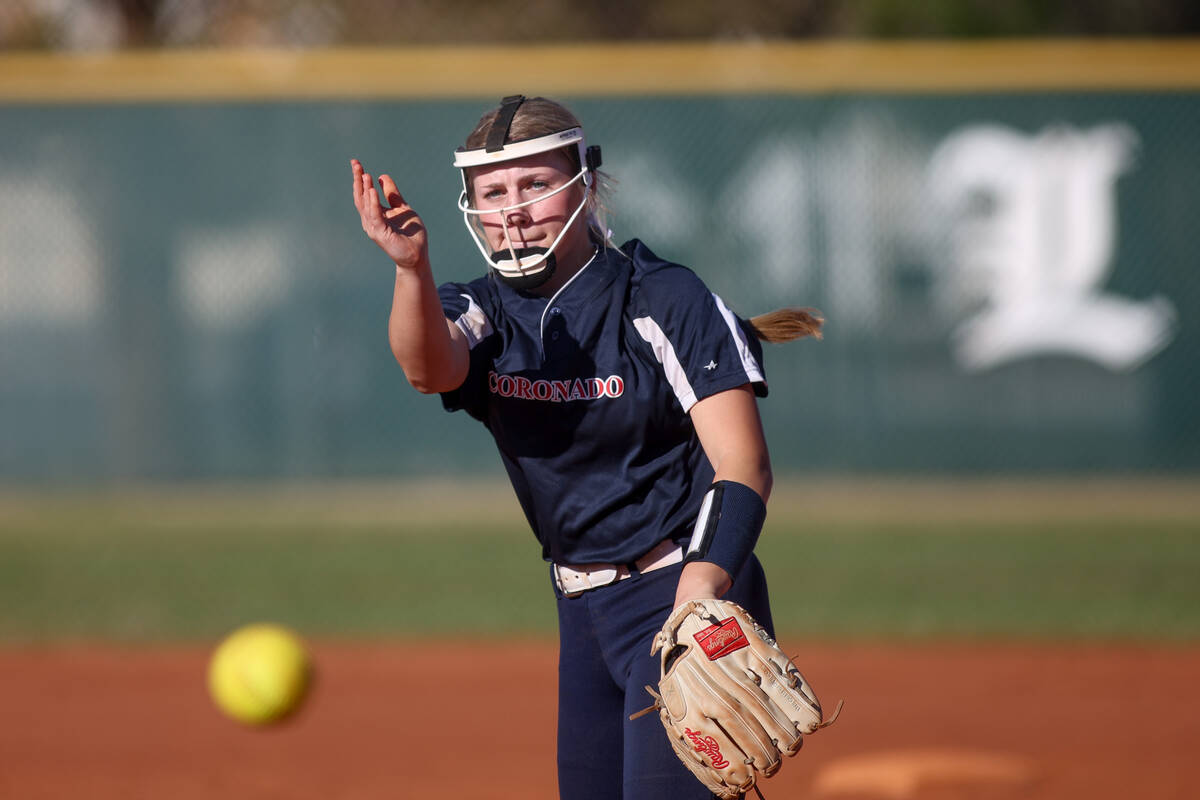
454	720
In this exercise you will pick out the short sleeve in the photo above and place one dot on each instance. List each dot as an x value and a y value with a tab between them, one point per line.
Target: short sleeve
464	305
703	347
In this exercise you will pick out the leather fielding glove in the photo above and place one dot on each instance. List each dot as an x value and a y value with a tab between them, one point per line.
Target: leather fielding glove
732	703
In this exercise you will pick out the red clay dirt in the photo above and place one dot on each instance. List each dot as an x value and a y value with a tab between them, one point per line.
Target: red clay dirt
451	720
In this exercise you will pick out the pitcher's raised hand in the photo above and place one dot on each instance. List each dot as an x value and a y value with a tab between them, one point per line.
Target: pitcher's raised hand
390	222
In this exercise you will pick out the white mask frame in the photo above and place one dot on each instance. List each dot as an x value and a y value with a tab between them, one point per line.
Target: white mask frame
523	264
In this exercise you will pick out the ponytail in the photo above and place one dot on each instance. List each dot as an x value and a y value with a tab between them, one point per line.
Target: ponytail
786	324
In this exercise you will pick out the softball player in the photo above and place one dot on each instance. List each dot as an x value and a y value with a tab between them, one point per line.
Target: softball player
621	396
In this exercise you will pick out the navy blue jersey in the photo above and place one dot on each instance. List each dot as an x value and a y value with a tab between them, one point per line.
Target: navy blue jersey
587	395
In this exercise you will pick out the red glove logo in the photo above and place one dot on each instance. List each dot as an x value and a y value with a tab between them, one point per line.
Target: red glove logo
707	745
721	639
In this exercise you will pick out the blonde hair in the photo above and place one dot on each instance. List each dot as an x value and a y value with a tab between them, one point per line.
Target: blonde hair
787	324
539	116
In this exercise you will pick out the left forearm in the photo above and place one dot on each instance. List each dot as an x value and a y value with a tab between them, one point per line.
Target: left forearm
732	437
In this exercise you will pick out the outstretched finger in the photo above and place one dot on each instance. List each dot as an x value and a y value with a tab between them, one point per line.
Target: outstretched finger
356	170
371	209
390	192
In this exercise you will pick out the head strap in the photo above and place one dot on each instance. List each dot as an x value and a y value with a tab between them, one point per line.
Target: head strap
503	121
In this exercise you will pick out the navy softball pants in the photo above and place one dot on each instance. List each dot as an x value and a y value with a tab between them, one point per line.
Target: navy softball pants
604	662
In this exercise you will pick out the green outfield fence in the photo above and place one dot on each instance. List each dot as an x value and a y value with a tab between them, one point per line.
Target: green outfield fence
1002	236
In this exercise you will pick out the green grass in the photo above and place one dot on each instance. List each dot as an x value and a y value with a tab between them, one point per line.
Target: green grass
96	573
1065	580
152	585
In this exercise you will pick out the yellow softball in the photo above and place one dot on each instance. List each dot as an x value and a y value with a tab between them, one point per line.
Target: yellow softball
259	674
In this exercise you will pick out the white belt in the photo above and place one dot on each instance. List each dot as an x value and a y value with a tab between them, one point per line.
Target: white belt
573	581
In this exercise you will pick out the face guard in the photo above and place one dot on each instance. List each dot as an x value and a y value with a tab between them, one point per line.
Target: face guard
522	267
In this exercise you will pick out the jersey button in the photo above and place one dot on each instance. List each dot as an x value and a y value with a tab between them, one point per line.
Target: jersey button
554	336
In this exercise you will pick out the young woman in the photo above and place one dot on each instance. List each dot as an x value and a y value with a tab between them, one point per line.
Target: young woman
621	395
